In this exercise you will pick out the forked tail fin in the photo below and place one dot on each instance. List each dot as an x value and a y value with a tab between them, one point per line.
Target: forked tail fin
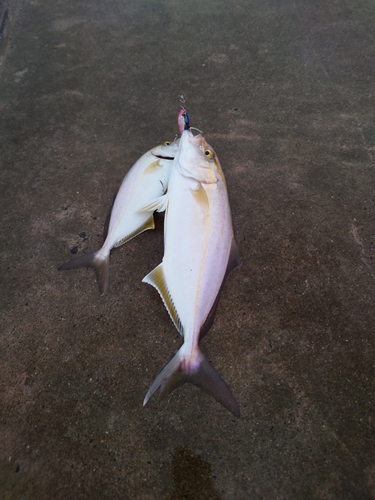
204	376
95	260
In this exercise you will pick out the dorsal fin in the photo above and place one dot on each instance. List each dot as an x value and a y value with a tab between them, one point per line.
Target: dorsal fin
234	258
156	278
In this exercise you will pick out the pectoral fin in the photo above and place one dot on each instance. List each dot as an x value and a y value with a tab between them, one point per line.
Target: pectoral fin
157	205
201	197
155	165
156	278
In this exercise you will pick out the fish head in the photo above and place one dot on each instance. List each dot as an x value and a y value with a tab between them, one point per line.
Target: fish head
197	159
167	150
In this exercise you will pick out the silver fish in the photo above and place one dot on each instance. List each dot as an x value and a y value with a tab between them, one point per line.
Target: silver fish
146	180
199	252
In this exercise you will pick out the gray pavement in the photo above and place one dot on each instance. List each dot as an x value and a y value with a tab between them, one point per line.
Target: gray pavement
284	92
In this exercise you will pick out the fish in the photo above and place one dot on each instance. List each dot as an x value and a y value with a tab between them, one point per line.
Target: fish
146	180
200	250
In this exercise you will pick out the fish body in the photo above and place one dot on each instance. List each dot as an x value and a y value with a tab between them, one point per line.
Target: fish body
199	252
146	180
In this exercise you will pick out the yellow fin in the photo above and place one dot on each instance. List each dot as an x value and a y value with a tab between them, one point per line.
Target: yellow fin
202	198
156	278
149	224
155	165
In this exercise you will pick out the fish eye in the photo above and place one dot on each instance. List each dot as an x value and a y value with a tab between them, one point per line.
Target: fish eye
209	154
166	143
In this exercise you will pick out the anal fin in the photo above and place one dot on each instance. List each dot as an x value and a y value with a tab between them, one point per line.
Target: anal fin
149	224
156	278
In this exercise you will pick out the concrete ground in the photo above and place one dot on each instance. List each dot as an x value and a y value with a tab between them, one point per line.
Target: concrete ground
284	91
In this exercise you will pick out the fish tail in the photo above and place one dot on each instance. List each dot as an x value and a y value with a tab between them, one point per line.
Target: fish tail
96	260
177	372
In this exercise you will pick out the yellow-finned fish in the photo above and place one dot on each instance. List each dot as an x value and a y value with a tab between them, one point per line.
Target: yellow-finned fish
199	252
145	181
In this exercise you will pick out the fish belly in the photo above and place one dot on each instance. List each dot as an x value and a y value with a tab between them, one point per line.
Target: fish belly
197	247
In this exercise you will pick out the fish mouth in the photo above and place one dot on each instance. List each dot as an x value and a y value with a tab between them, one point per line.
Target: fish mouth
164	157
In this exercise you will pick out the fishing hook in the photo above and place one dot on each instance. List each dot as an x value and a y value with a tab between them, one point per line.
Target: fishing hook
182	102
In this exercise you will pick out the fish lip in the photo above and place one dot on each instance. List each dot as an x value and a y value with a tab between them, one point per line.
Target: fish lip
189	140
188	137
164	157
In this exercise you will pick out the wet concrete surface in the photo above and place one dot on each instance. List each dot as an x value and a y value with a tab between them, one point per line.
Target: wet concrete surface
284	92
